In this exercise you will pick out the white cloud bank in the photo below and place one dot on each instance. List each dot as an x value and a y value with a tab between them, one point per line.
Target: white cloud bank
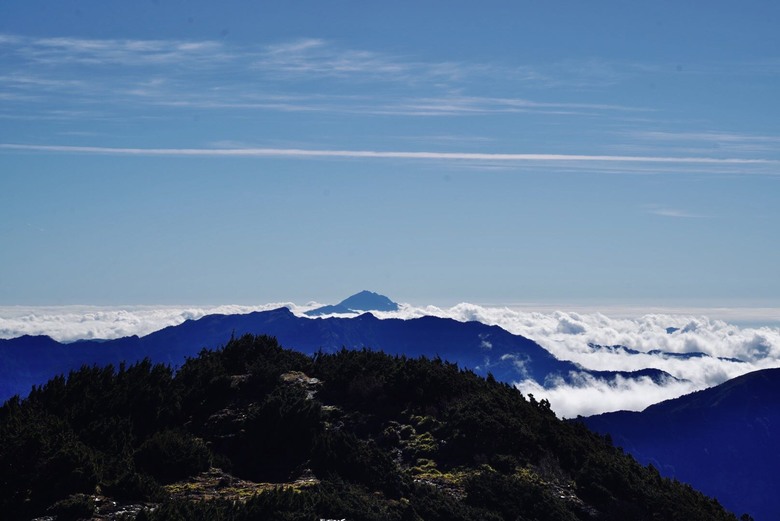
568	335
70	323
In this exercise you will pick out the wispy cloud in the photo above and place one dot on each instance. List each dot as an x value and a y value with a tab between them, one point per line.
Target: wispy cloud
451	105
312	57
669	212
306	57
216	75
320	58
712	141
29	81
444	105
665	211
125	52
95	82
712	136
379	154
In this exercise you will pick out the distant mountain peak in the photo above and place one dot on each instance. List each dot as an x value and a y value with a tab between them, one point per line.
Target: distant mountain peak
369	301
362	301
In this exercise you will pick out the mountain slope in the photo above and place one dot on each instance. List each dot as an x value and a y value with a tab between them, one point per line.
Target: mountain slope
26	361
254	431
722	440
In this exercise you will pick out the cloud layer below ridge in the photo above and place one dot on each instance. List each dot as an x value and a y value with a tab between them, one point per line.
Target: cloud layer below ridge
697	351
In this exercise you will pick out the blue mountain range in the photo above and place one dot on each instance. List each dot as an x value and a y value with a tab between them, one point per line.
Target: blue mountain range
31	360
722	440
659	353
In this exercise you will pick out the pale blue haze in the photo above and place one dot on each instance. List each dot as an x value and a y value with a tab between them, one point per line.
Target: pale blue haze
193	152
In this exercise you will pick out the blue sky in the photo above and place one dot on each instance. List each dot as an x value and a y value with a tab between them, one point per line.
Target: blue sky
566	152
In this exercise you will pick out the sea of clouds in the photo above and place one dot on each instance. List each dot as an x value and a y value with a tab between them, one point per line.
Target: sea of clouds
731	350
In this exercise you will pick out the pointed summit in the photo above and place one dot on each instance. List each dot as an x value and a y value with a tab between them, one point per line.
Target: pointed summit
363	301
369	301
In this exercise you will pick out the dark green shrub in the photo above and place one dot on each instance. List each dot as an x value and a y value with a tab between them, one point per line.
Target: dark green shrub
278	435
169	456
78	506
132	486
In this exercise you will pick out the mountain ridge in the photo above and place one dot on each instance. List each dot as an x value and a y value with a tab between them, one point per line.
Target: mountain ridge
722	440
255	431
26	361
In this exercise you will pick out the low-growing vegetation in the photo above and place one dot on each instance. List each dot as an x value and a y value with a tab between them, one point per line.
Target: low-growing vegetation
254	431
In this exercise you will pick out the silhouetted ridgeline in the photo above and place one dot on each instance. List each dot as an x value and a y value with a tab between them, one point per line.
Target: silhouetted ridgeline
32	360
266	433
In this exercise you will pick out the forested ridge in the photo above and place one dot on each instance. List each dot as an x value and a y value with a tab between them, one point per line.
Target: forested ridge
255	431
